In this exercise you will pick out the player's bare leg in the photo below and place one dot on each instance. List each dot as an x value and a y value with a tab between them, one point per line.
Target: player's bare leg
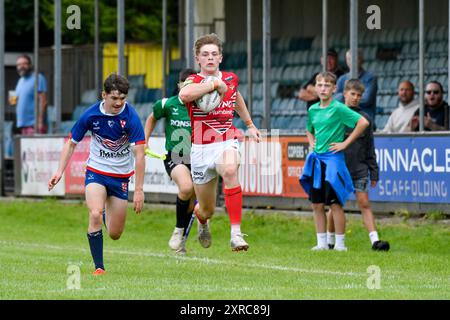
339	223
366	212
95	201
227	167
321	226
206	196
330	230
116	214
369	222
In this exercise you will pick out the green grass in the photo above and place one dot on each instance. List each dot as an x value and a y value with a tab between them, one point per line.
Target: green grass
39	240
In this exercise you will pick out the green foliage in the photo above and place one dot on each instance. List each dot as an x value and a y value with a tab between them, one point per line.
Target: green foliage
16	24
435	215
403	213
143	20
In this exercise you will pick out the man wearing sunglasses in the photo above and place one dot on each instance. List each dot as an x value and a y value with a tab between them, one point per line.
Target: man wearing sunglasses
436	110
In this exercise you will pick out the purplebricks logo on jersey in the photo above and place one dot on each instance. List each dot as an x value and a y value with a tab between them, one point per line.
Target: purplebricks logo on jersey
116	148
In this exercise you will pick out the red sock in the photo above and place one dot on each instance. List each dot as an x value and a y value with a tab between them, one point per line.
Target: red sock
233	202
200	219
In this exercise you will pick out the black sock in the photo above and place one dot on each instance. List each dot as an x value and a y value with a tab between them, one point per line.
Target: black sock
182	208
96	245
187	221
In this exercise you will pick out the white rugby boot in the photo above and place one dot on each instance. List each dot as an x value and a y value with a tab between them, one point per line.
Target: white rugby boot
204	235
176	239
237	242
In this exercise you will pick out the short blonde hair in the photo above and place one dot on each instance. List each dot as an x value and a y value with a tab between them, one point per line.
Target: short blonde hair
211	38
327	76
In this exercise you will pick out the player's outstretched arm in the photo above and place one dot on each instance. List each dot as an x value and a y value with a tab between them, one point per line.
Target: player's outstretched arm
138	198
241	109
66	153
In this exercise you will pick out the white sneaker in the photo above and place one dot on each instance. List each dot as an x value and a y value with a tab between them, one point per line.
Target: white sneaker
204	235
237	242
319	248
176	239
182	249
340	248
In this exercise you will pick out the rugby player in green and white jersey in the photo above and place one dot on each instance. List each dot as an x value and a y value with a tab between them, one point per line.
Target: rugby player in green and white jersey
177	162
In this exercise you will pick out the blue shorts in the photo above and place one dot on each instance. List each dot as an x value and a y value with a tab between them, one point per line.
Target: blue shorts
116	187
361	184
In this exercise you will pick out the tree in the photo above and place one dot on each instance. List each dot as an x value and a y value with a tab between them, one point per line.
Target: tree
143	20
19	27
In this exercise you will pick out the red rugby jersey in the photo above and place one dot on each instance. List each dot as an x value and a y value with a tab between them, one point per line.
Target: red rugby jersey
217	125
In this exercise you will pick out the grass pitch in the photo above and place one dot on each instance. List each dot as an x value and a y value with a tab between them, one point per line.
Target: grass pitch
40	240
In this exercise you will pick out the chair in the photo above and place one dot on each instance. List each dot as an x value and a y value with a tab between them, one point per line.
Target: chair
239	124
51	118
137	81
159	128
88	97
274	89
257	120
398	38
392	103
78	111
131	96
66	126
258	108
276	104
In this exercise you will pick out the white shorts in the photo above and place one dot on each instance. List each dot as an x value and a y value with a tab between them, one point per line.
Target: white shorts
204	158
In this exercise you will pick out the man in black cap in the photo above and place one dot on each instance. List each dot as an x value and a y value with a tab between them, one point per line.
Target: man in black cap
307	92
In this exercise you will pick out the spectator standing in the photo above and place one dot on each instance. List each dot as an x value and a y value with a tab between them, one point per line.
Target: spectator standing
368	102
25	98
362	164
325	177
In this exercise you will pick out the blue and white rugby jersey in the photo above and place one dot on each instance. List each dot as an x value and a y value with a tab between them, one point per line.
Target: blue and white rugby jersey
112	137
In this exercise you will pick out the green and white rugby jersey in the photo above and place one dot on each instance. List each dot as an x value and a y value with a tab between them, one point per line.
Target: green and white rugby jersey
177	124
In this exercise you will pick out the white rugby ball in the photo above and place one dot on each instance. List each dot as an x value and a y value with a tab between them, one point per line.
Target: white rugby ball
211	100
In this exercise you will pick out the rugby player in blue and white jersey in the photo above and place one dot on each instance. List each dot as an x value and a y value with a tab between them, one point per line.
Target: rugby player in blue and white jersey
116	153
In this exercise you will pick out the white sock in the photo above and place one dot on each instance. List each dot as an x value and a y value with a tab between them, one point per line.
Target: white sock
340	240
321	239
235	228
373	236
330	237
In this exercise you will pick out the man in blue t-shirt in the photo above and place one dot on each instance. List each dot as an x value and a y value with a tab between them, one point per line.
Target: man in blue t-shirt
368	102
25	98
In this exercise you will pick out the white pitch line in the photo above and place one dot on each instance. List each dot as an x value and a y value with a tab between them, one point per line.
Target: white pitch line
196	259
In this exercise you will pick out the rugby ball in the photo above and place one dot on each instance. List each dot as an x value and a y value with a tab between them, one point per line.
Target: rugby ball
211	100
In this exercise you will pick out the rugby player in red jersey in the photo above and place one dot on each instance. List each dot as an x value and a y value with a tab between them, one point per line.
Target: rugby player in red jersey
215	141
